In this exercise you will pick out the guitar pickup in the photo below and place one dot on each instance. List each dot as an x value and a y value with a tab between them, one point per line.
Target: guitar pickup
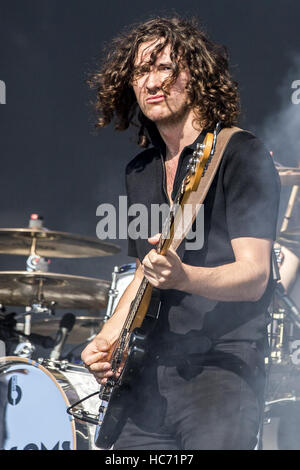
155	304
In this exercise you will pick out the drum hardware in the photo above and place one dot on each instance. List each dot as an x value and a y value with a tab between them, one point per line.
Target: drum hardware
66	324
86	327
121	278
42	292
57	364
278	254
112	294
65	385
37	263
277	336
2	348
289	176
284	316
281	400
290	236
291	240
290	307
25	349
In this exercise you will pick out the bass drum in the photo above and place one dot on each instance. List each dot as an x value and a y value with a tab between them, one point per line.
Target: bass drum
35	397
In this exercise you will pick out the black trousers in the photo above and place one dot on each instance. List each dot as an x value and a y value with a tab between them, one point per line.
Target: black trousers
208	402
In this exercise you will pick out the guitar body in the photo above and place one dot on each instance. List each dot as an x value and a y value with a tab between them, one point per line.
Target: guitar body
114	412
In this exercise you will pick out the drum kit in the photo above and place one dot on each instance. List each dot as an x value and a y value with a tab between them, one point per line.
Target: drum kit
281	429
41	374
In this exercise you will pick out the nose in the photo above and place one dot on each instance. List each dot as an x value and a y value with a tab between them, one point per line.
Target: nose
153	82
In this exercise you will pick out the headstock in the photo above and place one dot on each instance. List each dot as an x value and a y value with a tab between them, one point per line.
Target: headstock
198	163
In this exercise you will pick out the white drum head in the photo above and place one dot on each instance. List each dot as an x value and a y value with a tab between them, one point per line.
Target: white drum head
35	408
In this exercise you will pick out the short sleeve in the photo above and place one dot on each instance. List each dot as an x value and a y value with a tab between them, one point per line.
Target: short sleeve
251	188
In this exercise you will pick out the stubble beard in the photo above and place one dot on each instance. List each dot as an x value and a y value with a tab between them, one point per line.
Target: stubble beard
174	118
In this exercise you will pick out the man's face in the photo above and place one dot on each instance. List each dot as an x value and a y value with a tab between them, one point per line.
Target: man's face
147	85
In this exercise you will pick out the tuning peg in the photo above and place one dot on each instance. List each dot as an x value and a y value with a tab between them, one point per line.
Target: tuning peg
200	147
192	168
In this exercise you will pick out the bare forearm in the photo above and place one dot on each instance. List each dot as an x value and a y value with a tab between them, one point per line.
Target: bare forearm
238	281
112	328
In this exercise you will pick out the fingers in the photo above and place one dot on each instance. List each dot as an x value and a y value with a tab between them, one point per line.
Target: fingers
101	371
154	259
95	358
155	239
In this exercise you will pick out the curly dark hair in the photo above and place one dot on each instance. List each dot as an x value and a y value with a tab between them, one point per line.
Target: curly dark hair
211	90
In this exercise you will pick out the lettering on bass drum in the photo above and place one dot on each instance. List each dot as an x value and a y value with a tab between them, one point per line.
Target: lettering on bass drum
34	403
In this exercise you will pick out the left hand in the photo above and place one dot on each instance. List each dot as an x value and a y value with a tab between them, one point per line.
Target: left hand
163	271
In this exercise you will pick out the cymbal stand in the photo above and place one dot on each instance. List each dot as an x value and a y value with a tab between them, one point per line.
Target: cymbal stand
112	294
34	263
290	207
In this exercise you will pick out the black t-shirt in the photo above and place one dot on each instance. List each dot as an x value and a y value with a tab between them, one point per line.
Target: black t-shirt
241	202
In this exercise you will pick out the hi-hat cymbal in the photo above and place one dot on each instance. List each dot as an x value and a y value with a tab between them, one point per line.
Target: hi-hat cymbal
23	288
52	244
289	176
290	239
84	327
291	235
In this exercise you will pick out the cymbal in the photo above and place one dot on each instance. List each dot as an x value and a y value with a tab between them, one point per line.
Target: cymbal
84	327
23	288
291	235
290	239
289	176
52	244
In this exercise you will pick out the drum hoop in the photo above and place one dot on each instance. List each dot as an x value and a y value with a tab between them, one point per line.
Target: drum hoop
39	366
127	268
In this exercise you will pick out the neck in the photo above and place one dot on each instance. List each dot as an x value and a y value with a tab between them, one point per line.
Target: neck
178	135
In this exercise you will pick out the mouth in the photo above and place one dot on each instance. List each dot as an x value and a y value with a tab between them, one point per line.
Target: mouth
155	99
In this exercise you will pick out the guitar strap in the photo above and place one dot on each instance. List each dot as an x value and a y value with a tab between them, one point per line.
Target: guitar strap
196	198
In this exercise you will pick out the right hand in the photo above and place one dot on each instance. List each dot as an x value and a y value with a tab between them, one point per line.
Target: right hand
95	358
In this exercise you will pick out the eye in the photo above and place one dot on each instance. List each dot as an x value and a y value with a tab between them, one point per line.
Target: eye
141	70
165	67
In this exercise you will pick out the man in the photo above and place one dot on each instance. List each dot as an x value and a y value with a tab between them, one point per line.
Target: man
203	380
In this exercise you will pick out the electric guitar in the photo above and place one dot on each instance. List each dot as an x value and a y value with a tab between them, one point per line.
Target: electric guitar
129	350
